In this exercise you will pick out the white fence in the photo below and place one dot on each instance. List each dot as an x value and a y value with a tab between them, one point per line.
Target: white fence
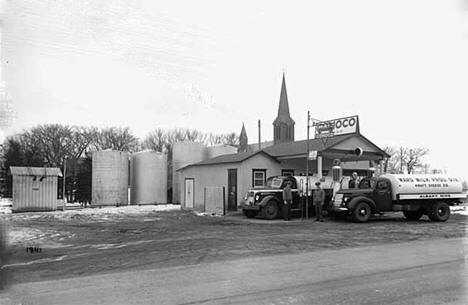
215	200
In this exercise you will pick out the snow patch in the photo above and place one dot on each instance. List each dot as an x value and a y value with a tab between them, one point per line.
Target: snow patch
29	237
206	214
5	205
101	214
460	209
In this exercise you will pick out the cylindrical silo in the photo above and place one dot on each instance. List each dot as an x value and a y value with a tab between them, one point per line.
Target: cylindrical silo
109	178
218	150
148	177
183	154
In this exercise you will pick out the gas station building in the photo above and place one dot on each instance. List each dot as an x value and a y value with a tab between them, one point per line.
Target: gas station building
335	141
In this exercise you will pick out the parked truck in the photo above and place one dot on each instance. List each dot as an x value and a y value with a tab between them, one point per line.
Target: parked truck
267	201
414	195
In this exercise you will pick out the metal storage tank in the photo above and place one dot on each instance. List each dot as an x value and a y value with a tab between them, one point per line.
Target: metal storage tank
109	178
34	188
184	153
148	170
218	150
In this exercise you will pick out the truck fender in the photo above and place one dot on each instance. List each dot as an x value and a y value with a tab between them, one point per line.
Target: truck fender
268	198
358	199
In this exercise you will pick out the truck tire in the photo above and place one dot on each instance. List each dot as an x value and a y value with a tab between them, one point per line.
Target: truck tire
440	211
250	213
270	210
413	215
361	212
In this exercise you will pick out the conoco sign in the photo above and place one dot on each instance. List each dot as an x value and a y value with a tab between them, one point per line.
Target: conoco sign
337	127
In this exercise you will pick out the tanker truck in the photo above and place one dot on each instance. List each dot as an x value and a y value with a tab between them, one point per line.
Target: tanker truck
414	195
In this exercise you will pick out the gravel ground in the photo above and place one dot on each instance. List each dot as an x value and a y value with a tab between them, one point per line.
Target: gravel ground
80	243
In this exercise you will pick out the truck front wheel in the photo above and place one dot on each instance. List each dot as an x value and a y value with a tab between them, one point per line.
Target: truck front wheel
413	215
362	212
270	210
440	211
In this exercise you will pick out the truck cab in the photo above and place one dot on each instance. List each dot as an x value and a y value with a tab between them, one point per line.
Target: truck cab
414	195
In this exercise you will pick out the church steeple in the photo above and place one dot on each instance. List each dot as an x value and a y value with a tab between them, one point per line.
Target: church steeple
243	140
283	125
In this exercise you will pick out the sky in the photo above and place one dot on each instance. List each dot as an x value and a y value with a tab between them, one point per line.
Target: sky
401	65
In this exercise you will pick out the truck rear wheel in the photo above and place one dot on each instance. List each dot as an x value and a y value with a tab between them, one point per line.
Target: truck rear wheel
250	213
270	210
413	215
362	212
440	211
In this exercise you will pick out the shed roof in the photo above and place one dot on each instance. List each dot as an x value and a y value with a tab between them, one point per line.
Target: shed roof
230	158
35	171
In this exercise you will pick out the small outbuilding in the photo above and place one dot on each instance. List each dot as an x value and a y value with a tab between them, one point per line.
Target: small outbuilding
234	173
34	188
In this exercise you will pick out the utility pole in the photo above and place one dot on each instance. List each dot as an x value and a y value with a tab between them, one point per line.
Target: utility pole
307	166
64	181
259	136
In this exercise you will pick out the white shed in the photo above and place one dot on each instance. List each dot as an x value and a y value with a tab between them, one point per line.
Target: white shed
34	188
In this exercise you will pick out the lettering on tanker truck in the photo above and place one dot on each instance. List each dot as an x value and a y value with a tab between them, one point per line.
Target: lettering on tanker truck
431	196
424	185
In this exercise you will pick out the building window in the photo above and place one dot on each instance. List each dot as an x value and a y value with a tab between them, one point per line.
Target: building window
258	177
287	172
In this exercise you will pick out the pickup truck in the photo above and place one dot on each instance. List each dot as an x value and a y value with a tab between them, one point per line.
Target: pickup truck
414	195
267	201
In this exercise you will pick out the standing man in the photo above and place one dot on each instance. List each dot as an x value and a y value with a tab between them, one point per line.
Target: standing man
287	198
319	199
353	182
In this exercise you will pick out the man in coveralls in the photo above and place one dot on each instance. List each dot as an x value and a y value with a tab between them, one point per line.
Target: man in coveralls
319	198
287	198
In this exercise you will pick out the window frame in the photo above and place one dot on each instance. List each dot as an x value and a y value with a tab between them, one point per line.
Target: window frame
259	170
287	170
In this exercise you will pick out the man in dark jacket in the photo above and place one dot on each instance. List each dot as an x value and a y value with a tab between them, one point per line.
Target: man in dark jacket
319	199
287	198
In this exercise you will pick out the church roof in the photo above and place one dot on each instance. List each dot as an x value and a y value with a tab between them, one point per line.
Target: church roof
243	133
283	108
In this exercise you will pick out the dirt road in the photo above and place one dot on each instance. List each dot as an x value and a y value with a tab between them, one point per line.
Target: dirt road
418	272
81	244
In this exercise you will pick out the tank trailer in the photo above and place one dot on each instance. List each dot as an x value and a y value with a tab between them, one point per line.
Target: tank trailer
414	195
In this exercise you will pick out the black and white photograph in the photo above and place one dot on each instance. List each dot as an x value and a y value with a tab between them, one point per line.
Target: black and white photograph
233	152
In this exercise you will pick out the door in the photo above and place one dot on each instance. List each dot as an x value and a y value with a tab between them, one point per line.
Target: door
383	195
232	190
189	192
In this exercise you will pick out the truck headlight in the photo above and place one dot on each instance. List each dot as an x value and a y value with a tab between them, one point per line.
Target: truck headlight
257	198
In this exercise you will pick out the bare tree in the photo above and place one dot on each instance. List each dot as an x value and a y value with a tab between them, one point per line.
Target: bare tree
156	140
55	142
52	141
391	164
404	159
116	138
230	139
414	158
214	139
